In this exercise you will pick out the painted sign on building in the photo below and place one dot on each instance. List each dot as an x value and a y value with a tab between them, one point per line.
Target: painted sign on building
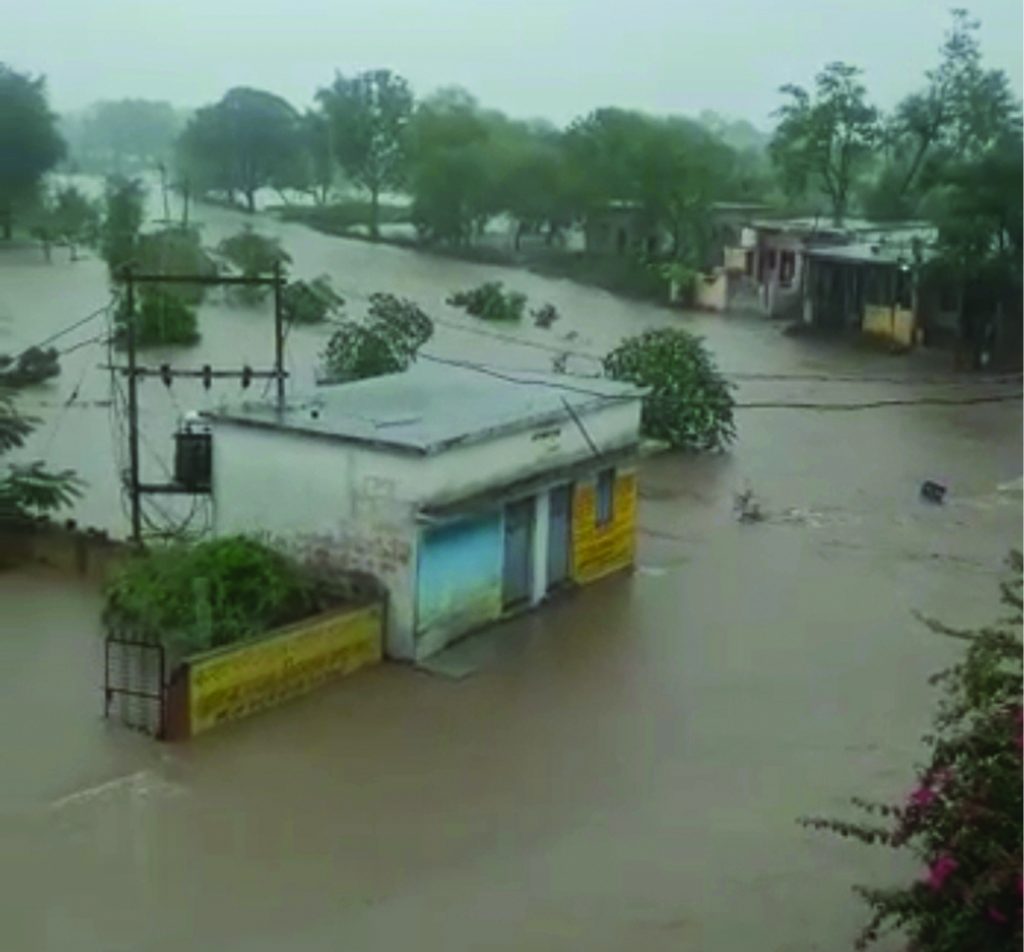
234	682
459	577
601	548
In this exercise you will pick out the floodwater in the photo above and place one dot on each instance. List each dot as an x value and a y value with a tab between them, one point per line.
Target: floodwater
624	771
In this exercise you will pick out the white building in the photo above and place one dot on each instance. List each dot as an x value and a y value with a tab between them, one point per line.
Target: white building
470	496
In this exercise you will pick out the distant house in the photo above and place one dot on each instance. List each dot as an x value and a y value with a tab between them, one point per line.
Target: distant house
627	228
623	227
470	496
768	265
868	287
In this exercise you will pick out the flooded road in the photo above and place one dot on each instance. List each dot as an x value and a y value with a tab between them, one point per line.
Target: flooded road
624	772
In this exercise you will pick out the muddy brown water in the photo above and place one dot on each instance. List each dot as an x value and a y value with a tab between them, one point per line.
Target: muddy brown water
625	770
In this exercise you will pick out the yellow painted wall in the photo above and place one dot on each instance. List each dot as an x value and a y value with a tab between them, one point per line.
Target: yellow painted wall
598	550
232	683
896	325
710	290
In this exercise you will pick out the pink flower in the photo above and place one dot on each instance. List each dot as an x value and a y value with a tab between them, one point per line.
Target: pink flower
940	870
921	797
997	916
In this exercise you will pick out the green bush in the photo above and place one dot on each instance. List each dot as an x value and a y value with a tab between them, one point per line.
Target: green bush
191	598
161	318
310	302
489	302
688	404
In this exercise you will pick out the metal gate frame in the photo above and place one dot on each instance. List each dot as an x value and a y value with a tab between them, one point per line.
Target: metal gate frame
111	690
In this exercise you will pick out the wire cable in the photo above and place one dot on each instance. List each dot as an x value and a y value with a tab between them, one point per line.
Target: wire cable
751	405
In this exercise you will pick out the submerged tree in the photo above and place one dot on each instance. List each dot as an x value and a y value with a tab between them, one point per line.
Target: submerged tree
386	342
122	223
688	404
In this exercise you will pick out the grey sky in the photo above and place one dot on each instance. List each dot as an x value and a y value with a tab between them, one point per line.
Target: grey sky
553	58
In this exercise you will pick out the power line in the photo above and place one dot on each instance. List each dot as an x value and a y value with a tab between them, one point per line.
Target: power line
752	405
67	330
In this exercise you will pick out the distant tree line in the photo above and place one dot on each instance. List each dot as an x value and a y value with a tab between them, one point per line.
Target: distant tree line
949	153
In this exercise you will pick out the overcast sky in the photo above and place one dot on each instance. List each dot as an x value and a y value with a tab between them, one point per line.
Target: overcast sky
553	58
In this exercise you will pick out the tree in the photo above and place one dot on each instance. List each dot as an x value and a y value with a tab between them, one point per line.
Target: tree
386	342
963	110
255	256
318	175
162	318
67	217
122	222
310	302
962	820
249	140
368	114
127	134
687	404
825	140
29	142
29	490
452	168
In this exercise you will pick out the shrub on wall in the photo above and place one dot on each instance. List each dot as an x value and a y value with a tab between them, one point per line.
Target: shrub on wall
193	597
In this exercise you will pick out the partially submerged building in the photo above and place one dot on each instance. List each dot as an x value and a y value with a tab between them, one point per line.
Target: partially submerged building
470	495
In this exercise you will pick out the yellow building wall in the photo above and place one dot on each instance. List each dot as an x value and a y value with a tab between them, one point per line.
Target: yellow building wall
599	550
895	324
710	290
233	682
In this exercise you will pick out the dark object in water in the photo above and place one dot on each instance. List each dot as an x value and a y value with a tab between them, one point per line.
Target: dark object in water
29	367
932	491
545	316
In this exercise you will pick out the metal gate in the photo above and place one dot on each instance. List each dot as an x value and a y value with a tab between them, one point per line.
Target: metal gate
133	684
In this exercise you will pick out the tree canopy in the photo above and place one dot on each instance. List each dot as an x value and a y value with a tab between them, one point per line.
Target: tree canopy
368	114
29	142
826	139
250	139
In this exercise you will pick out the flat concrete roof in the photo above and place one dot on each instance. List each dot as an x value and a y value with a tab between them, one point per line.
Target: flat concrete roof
432	406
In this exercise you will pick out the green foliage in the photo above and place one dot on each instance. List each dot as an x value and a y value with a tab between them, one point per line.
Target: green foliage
368	114
175	250
386	342
31	366
194	597
451	173
963	819
489	302
828	139
161	319
29	489
310	302
29	142
126	135
122	221
688	404
250	139
254	255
